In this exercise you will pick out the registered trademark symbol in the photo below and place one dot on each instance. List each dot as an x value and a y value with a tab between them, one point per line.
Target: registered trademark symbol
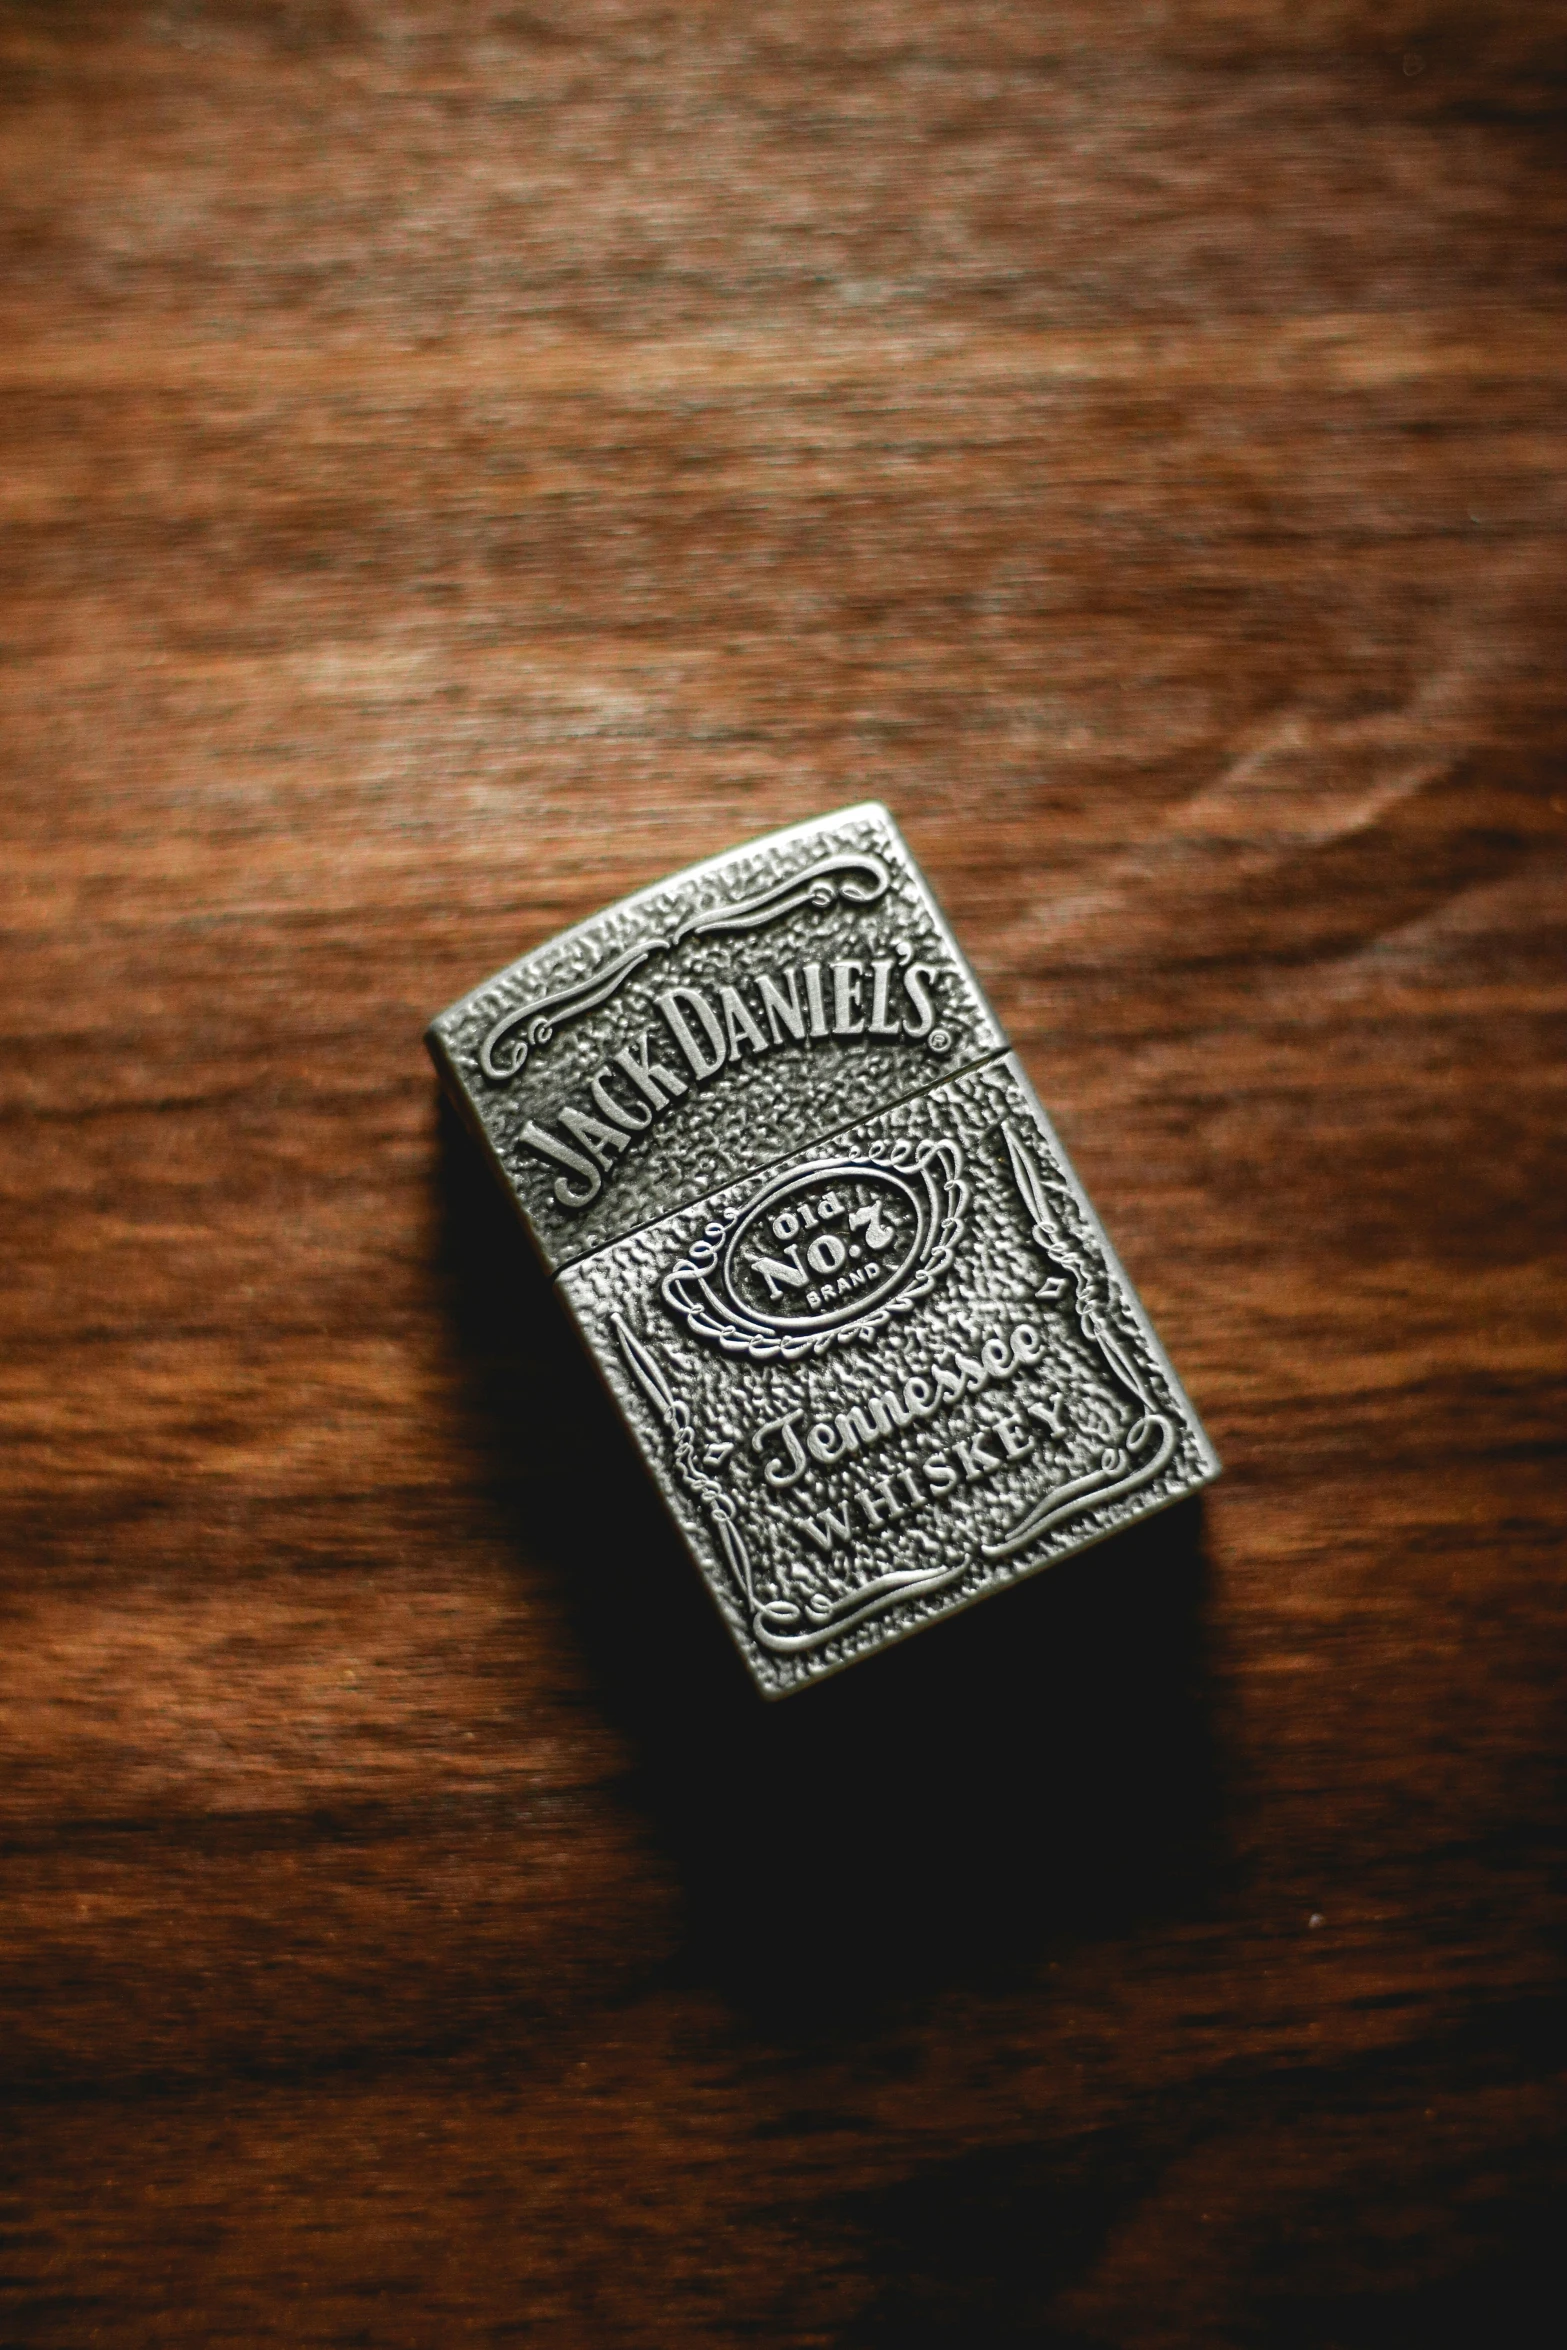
940	1041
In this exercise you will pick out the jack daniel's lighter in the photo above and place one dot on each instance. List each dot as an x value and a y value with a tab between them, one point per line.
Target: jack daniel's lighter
822	1243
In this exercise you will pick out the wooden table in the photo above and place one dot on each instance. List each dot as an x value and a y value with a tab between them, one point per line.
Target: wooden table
462	462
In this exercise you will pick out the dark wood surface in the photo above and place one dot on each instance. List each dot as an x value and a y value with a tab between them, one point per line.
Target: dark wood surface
462	462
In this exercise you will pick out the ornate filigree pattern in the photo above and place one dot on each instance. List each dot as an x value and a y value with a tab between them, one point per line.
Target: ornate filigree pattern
1128	1465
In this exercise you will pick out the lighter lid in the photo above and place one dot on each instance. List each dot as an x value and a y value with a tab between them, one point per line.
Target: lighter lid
708	1025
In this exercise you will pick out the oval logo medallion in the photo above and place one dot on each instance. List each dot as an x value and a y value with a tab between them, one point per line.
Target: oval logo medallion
824	1252
826	1245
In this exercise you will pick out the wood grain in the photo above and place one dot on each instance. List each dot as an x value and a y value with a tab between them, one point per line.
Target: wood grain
463	461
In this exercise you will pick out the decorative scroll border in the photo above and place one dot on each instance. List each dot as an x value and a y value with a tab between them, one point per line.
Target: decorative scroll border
689	1290
675	1414
773	1621
855	878
1120	1471
788	1628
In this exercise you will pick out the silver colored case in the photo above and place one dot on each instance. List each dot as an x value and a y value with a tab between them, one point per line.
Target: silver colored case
822	1243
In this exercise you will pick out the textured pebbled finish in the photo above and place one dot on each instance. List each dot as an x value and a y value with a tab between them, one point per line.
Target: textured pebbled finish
892	1366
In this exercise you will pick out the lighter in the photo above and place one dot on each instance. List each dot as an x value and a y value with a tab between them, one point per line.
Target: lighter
822	1243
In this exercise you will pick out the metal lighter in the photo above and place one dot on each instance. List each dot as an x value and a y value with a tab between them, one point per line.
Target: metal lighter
822	1242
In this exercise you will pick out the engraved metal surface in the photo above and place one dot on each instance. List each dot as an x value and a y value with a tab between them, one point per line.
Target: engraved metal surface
822	1243
839	1497
709	1024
